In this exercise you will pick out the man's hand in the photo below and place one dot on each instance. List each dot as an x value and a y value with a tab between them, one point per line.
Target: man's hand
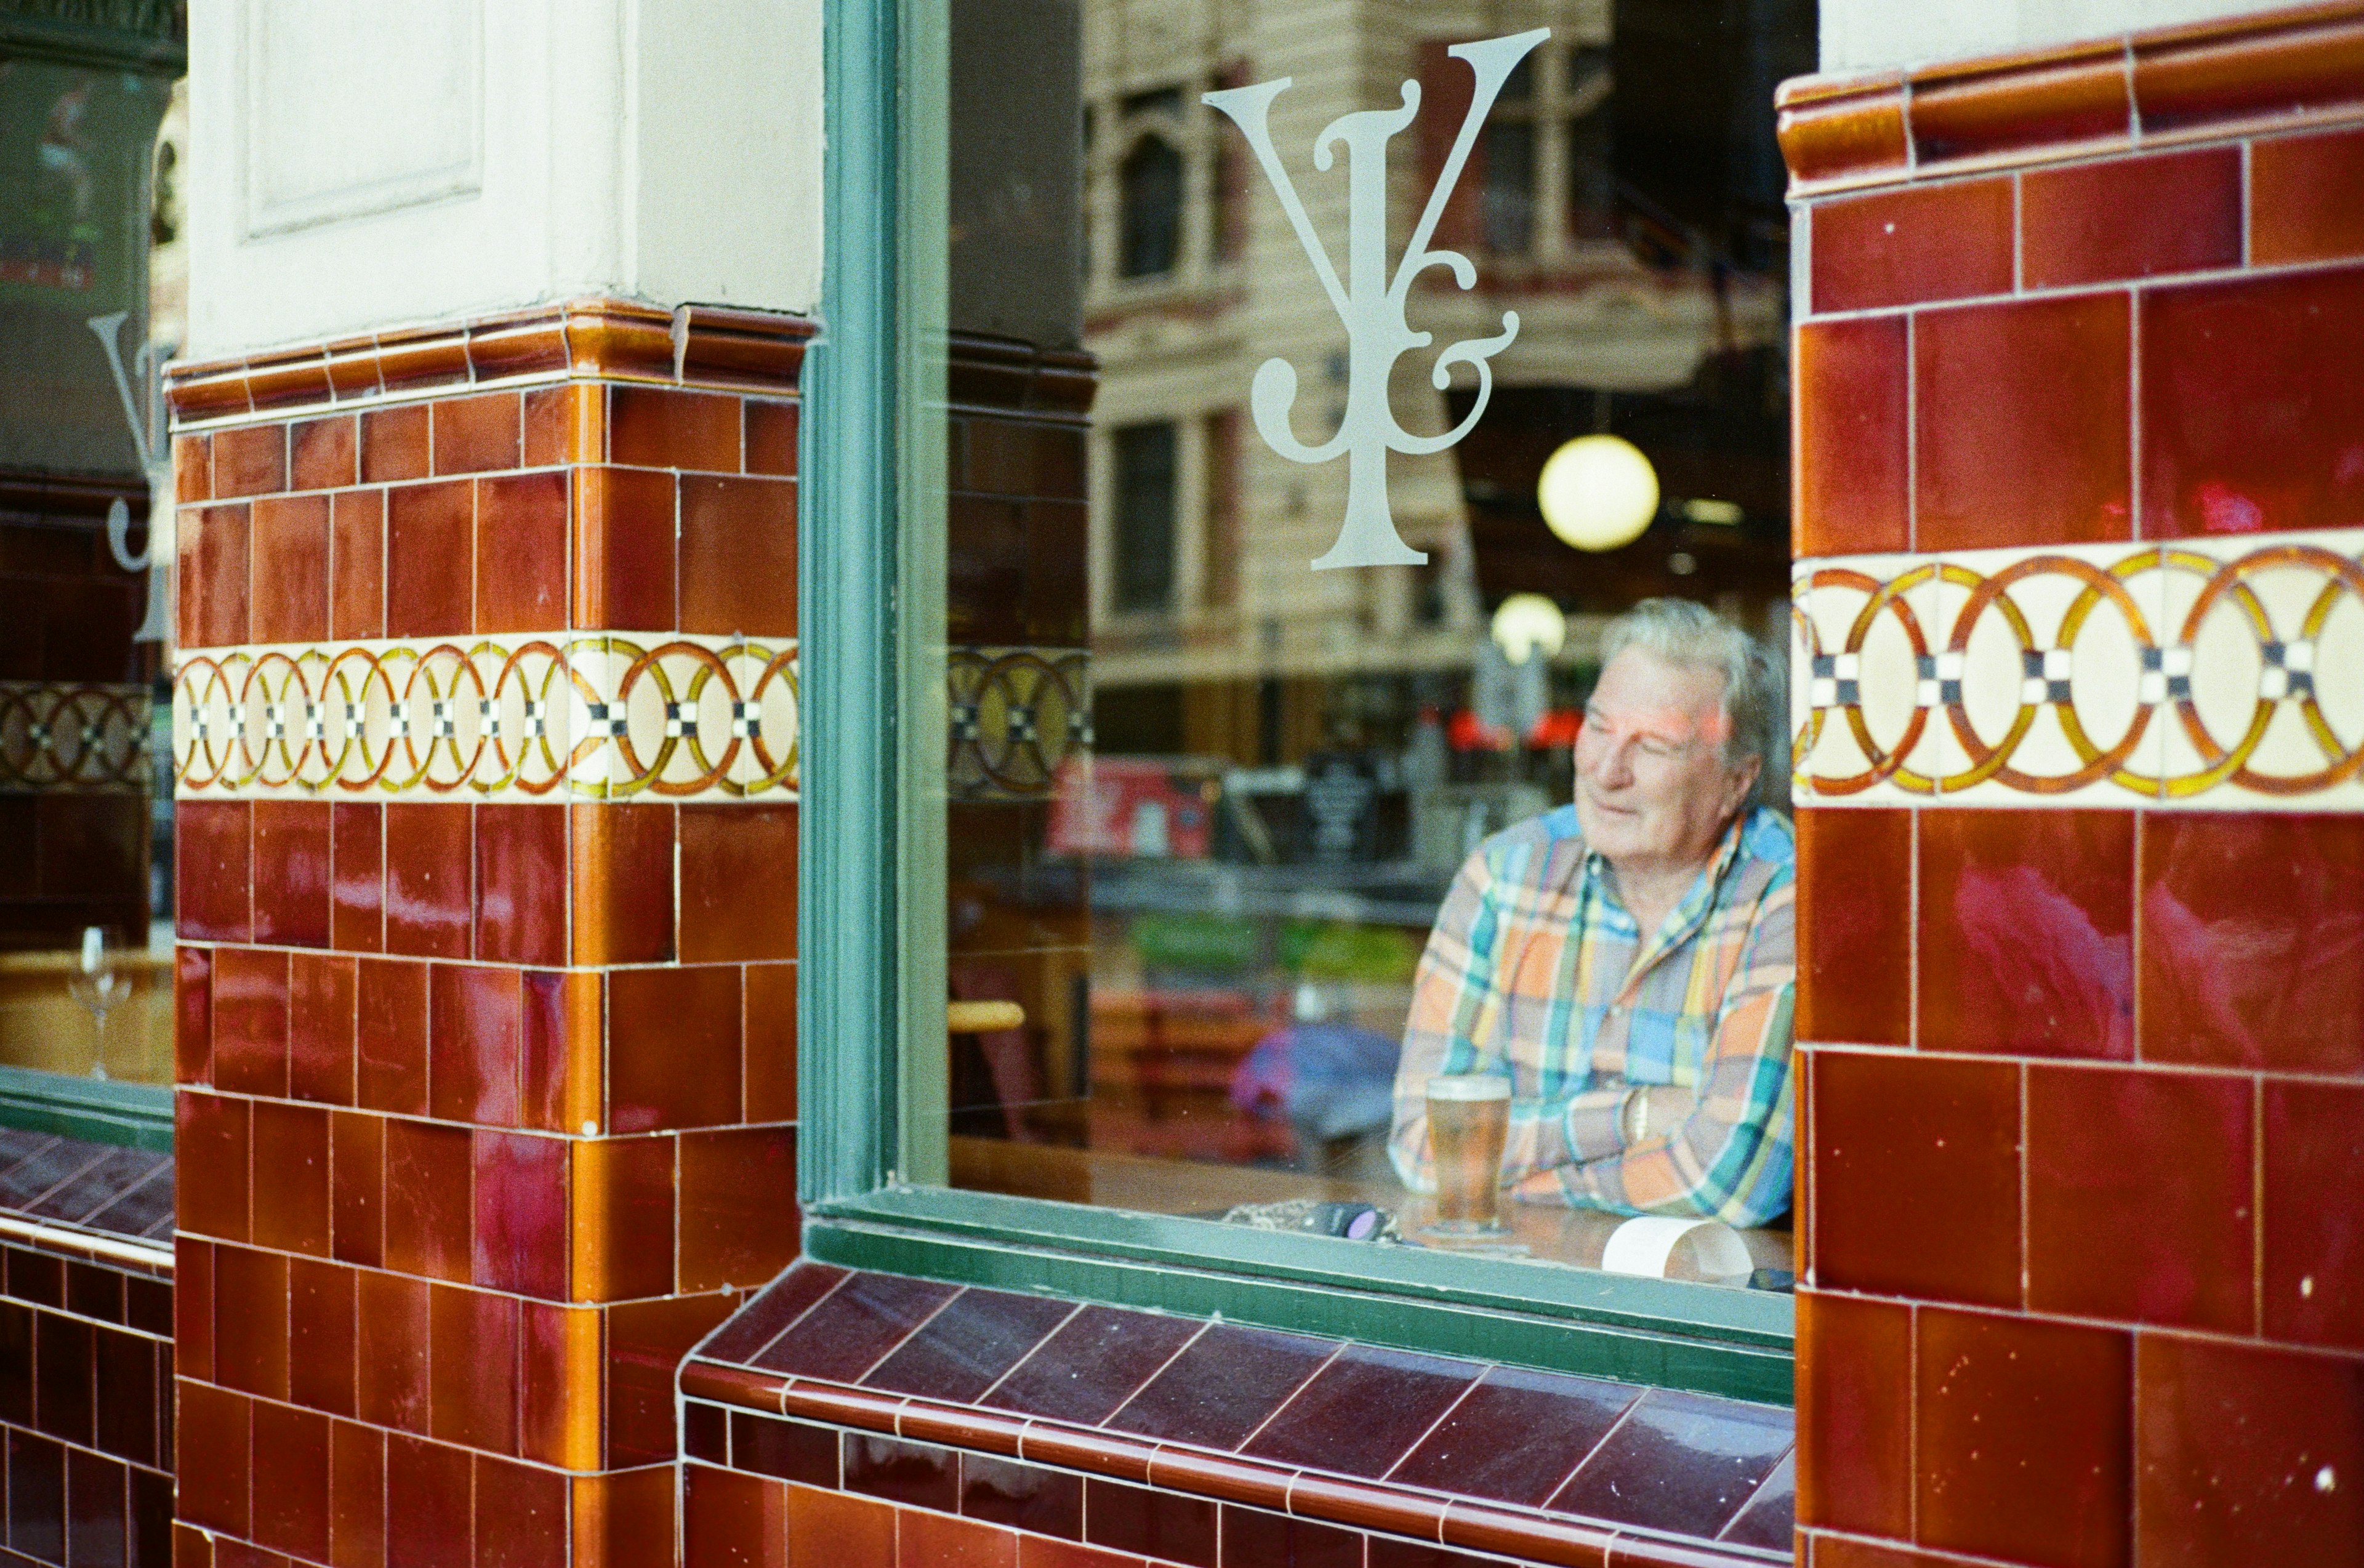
1656	1111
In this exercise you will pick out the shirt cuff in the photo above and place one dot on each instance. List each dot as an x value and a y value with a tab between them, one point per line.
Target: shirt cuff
1593	1127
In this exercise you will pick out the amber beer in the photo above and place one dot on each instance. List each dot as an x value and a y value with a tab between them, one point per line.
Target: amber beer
1469	1120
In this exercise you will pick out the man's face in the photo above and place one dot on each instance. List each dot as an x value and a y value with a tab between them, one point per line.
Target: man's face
1651	785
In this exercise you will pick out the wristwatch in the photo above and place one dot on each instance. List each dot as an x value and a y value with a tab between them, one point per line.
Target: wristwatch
1634	1116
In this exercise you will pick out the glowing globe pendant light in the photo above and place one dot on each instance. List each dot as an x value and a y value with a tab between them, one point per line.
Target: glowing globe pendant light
1597	493
1528	624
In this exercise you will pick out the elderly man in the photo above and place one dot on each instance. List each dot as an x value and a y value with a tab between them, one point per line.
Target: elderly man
1628	961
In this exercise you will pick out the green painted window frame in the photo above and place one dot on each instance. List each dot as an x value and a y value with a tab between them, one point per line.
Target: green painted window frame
870	965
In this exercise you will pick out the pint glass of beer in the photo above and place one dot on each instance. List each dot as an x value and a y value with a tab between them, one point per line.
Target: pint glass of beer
1469	1119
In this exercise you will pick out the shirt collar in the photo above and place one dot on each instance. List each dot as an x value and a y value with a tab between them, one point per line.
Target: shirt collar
1692	908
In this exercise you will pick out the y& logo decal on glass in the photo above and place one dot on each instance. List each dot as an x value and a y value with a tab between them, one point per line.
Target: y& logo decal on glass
1370	304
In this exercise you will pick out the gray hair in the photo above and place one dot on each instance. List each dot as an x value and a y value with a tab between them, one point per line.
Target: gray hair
1683	632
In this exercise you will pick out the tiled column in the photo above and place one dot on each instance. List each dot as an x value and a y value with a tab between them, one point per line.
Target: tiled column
2081	686
486	736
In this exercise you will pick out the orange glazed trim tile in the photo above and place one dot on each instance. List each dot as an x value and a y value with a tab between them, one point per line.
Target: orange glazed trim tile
2285	69
606	339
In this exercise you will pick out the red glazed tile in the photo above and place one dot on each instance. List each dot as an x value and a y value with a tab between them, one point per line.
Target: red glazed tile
291	873
2253	941
1851	398
193	468
622	1521
2314	1248
1682	1463
428	893
391	1039
1515	1437
624	550
215	575
1833	128
672	1048
251	1021
321	1001
291	569
2066	95
1770	1521
854	1326
357	564
646	1342
965	1349
770	1033
1933	243
430	564
357	877
2001	1399
522	552
826	1526
560	1386
2131	218
1257	1535
738	545
651	426
394	444
2249	412
2021	428
1158	1525
290	1466
428	1506
250	460
771	1310
212	870
1023	1496
428	1204
472	1362
250	1321
357	1187
213	1457
390	1351
521	1238
1216	1392
1855	925
2028	932
2138	1197
623	885
623	1224
210	1137
37	1513
1092	1365
1854	1414
2211	75
472	435
772	437
193	1015
193	1309
521	1515
324	454
320	1335
549	425
736	863
1916	1176
1042	1551
291	1177
922	1475
2307	197
936	1540
1364	1411
737	1201
521	888
2246	1454
356	1495
561	1052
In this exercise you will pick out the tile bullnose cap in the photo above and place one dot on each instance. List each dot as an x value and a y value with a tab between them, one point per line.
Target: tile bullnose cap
841	1406
734	1385
2004	109
1534	1538
1837	131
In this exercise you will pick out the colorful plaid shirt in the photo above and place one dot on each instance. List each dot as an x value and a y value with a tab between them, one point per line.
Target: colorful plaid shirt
1536	969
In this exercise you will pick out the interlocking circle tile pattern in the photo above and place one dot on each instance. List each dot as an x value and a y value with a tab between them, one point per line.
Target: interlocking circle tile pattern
57	736
568	715
2225	673
1017	714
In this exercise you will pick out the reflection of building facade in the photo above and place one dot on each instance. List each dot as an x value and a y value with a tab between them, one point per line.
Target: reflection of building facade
1202	534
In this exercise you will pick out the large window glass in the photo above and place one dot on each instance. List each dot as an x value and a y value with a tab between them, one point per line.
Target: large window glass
1275	652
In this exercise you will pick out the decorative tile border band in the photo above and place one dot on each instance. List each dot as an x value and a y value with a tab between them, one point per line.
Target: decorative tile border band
2221	672
1018	713
566	714
74	737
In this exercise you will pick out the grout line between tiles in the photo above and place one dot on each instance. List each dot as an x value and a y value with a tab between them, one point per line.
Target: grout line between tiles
2025	1258
1590	1454
1443	1416
2248	197
1073	1311
1912	1419
757	1354
2257	1206
1303	1384
2086	290
1101	1425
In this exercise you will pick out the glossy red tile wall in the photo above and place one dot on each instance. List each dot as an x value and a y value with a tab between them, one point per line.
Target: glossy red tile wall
2083	1083
483	1111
